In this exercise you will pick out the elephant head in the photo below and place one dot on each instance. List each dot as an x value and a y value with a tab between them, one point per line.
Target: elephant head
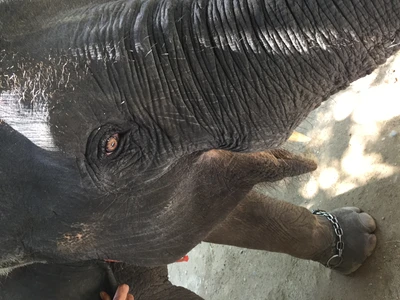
130	129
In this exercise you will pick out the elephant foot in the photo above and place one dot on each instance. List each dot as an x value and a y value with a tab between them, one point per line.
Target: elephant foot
358	240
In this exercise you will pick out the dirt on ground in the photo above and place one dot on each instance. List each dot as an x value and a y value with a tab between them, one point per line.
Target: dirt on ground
355	137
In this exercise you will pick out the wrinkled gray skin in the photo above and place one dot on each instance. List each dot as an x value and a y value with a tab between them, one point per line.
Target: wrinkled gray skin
200	95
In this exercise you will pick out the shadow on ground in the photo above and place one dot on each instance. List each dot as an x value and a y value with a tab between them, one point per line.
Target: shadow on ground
356	141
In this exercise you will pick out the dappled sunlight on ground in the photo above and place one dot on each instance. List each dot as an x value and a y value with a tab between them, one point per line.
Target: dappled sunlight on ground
355	138
366	107
327	178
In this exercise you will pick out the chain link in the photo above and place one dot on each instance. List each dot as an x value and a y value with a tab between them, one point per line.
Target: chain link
339	233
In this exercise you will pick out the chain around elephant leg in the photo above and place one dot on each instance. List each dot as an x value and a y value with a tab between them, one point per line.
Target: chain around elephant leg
260	222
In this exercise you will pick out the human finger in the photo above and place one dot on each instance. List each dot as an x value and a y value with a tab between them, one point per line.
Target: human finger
122	292
104	296
130	297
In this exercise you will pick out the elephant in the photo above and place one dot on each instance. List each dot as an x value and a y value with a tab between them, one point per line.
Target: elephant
132	130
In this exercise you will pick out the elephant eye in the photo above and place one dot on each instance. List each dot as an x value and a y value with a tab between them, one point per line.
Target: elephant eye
112	144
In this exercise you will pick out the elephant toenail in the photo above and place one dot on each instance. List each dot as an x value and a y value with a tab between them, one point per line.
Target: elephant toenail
355	209
367	221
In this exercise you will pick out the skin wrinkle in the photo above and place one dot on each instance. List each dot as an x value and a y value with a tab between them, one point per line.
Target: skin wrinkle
295	107
214	11
155	88
274	110
364	17
112	32
285	38
207	73
315	69
140	35
124	75
345	66
211	10
100	84
228	74
339	57
189	105
139	81
163	75
302	45
387	13
277	37
345	69
235	106
283	228
370	16
260	64
95	113
86	37
148	65
286	35
182	92
264	39
323	33
246	233
155	91
281	34
332	23
244	105
350	24
217	111
107	32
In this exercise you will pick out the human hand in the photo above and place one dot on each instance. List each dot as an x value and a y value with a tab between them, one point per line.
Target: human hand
121	294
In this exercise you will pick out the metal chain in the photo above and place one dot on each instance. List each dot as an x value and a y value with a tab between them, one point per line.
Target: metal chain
339	233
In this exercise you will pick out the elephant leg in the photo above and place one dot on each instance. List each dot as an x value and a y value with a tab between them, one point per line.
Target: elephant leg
149	283
263	223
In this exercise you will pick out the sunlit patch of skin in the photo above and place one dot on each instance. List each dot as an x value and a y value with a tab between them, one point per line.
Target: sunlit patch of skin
10	263
211	154
5	271
81	236
31	122
27	86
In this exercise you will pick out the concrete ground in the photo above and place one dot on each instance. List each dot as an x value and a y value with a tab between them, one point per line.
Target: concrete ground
355	137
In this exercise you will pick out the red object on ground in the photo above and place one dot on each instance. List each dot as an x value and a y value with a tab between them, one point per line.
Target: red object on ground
183	259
